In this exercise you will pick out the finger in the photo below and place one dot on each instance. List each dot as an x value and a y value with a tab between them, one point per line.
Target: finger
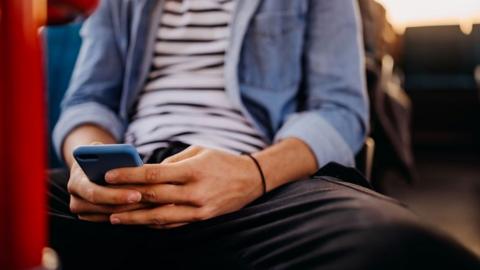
185	154
80	206
150	174
168	194
94	218
163	215
97	194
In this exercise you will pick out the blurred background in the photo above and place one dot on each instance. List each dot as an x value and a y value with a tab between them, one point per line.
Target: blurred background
435	45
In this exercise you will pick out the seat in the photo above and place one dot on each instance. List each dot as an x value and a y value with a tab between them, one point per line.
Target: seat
62	44
390	108
438	58
476	43
364	158
439	69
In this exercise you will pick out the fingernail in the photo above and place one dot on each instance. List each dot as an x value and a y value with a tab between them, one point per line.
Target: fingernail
134	197
115	220
109	176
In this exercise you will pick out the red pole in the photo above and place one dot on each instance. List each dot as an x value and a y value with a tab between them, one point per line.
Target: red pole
22	135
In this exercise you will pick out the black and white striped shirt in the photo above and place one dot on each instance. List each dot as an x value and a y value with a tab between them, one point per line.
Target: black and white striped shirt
184	98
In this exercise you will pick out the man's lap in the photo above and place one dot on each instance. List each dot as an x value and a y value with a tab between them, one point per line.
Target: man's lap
317	222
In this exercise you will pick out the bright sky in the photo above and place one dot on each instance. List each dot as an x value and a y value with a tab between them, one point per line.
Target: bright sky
404	13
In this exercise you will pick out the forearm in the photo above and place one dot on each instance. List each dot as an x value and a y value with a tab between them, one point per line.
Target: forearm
84	135
287	161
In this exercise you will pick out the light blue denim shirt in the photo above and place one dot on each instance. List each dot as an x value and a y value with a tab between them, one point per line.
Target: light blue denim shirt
295	68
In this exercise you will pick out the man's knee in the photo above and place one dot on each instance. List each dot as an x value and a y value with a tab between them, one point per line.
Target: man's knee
383	234
362	208
333	204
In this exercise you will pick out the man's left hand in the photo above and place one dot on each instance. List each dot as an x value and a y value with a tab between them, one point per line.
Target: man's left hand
194	185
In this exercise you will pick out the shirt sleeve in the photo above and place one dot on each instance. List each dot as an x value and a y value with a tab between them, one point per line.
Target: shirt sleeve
94	94
334	120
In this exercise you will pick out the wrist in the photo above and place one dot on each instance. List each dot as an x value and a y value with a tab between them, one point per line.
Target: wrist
271	173
253	178
286	161
260	172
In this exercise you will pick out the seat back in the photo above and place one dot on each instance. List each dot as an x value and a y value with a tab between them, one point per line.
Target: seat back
476	43
62	44
438	57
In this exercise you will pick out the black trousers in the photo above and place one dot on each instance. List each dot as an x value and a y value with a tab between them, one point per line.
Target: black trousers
322	223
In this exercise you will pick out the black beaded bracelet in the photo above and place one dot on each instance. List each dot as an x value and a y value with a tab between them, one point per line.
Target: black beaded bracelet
264	182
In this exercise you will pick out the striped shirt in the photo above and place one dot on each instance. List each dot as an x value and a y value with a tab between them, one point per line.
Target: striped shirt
184	98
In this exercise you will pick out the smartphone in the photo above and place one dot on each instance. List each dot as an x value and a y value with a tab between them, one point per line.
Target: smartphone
96	160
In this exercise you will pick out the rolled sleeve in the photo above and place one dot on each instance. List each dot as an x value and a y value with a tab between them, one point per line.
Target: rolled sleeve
334	118
322	138
86	113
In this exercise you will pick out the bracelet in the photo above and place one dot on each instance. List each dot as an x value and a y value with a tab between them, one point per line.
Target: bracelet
264	182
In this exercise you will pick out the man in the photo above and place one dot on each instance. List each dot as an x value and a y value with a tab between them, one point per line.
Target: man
193	84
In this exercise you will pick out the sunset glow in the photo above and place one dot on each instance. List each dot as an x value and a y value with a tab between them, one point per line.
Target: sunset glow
403	13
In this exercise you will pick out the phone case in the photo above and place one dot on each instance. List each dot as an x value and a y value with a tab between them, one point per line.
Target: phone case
96	160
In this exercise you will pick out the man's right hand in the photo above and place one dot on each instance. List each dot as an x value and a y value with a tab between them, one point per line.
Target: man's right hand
95	203
88	200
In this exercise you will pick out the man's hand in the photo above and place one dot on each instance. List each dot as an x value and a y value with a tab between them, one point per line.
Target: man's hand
194	185
88	200
95	203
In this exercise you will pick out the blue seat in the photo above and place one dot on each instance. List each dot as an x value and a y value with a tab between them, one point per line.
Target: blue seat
62	44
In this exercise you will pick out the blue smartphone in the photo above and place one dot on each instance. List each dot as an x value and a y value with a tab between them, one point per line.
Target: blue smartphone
96	160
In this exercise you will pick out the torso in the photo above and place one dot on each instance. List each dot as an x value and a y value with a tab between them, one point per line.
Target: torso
184	98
